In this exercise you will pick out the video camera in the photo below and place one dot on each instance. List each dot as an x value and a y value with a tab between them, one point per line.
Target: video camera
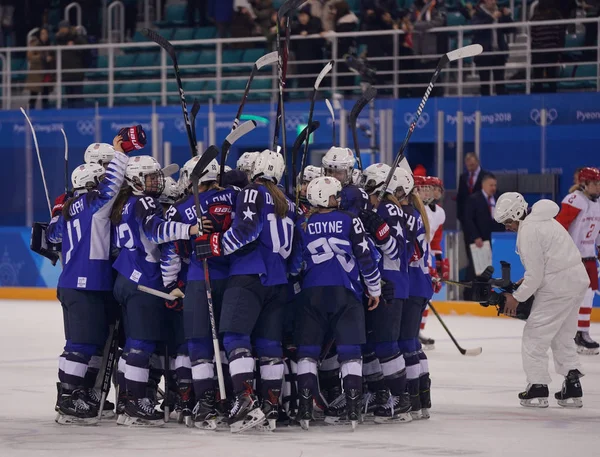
484	291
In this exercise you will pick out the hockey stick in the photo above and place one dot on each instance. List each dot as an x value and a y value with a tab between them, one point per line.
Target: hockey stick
300	139
471	352
170	49
193	114
461	53
37	150
211	153
326	69
265	60
66	161
368	95
330	108
233	136
157	293
109	365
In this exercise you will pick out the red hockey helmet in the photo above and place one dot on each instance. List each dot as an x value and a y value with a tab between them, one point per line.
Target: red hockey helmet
588	174
420	181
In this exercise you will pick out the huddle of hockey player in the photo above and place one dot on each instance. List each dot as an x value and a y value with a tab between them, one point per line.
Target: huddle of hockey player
327	296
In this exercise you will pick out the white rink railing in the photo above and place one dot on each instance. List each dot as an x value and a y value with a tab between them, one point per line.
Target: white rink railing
220	79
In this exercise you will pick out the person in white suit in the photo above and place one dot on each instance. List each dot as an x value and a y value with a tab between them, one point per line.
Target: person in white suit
557	279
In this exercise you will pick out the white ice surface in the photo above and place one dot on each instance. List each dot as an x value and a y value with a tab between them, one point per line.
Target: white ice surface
475	408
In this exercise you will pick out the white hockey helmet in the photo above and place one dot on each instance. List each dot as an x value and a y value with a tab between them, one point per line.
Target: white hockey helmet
374	177
269	165
87	176
401	180
171	193
310	172
99	153
226	169
246	162
339	162
211	172
144	175
320	189
511	206
186	173
357	178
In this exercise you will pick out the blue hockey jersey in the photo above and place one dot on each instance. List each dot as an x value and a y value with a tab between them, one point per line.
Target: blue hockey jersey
418	251
256	221
141	230
354	199
395	269
185	211
86	236
337	252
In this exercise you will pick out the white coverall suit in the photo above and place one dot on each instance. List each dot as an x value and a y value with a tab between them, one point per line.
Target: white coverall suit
556	276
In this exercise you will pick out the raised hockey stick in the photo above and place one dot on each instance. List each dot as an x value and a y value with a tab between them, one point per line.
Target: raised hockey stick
326	69
193	114
211	153
170	49
233	136
300	139
37	150
332	112
66	161
109	364
265	60
157	293
471	352
461	53
368	95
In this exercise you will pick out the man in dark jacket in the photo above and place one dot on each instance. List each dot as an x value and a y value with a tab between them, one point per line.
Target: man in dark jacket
546	37
492	40
469	183
72	59
307	49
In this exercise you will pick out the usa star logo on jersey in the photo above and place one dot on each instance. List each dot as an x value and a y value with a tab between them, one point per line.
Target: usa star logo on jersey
248	214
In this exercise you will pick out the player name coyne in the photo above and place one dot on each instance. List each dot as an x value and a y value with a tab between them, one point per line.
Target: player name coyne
316	228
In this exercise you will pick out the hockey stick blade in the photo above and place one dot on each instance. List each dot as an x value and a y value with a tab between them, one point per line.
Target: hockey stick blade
465	52
303	134
332	112
267	59
161	41
326	69
193	114
239	132
157	293
287	7
363	101
470	352
209	155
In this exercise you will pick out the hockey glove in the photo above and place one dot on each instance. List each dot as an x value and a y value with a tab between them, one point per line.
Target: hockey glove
134	138
182	248
443	268
208	245
58	205
376	226
436	283
175	289
388	290
219	214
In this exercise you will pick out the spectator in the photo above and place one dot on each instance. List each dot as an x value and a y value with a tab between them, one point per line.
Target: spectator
469	182
323	9
38	62
131	15
243	26
307	49
406	50
380	15
592	9
492	40
263	10
479	219
72	59
426	43
345	21
546	37
200	7
49	66
223	11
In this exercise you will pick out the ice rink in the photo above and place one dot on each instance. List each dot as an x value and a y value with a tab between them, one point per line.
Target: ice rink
475	407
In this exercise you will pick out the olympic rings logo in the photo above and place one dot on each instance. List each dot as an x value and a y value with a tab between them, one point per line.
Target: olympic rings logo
409	118
536	116
86	127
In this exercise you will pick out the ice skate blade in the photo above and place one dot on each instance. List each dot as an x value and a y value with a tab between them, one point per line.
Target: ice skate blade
252	419
110	414
535	403
425	413
139	422
416	415
587	351
305	423
210	424
267	426
65	419
575	403
187	420
121	419
399	418
428	347
353	424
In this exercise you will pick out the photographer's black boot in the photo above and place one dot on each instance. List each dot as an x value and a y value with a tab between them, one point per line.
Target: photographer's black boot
571	393
535	396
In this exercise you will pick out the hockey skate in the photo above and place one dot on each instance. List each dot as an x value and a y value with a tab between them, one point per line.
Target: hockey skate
74	407
204	414
142	412
535	396
425	395
353	406
336	411
184	405
245	412
585	344
120	410
396	409
415	399
270	408
94	396
305	408
571	390
427	343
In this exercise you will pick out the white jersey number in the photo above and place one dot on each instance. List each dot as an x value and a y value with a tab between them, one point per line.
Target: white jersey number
72	226
331	247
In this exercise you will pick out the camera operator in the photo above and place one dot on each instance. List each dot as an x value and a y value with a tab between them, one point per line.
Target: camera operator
555	275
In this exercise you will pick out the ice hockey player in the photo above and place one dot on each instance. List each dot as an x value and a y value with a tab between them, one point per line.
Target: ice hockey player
86	282
217	206
336	251
580	215
139	227
256	292
246	162
310	172
555	275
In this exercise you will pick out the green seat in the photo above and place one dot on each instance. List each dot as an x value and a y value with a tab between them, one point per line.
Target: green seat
18	65
126	93
205	33
188	58
573	40
149	92
148	59
231	59
174	15
95	93
578	71
252	55
354	5
261	89
183	33
167	33
124	61
207	60
237	85
455	19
